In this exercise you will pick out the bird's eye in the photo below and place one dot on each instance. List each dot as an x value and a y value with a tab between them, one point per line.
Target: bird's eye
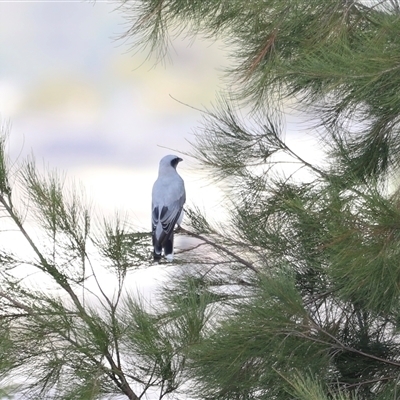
174	162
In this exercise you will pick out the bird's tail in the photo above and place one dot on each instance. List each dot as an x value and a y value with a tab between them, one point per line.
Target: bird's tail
169	245
157	251
156	246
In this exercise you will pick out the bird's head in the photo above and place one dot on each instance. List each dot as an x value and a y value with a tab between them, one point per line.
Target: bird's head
170	161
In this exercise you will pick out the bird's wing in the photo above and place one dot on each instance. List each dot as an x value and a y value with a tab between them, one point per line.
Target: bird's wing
166	216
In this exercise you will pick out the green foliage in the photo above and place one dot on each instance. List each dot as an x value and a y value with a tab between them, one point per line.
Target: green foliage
62	341
339	59
4	173
198	221
230	146
306	275
190	307
7	358
151	349
305	388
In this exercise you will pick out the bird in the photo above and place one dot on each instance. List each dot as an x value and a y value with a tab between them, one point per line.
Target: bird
168	198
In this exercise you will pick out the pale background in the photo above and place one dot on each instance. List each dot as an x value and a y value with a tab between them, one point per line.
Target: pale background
84	102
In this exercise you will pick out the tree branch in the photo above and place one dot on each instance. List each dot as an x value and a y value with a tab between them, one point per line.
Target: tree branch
225	250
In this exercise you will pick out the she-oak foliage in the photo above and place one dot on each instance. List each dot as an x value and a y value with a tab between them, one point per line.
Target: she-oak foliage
300	300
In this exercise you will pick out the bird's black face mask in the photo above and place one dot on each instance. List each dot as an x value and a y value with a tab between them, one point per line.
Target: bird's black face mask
175	162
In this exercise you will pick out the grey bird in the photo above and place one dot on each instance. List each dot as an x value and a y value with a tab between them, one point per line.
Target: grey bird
168	198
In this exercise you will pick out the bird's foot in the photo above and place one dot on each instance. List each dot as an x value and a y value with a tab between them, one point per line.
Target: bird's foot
169	257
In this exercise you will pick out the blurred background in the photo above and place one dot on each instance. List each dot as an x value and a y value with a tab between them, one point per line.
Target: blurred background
84	101
87	103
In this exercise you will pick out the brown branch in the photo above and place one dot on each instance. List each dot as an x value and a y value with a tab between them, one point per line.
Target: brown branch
358	384
190	248
268	46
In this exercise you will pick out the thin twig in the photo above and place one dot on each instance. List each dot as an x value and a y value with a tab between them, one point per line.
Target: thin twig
239	259
119	377
350	349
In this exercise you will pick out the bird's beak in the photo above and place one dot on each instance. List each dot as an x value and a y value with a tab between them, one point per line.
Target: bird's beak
180	159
